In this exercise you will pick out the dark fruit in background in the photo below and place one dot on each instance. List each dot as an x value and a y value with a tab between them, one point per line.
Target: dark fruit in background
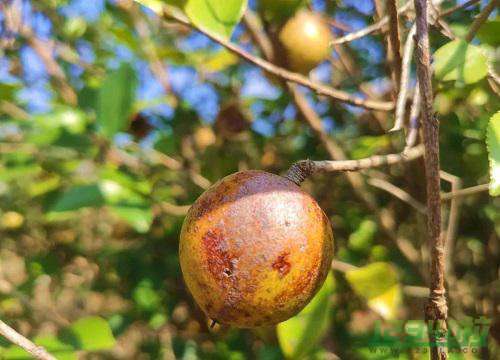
305	39
231	120
139	127
254	249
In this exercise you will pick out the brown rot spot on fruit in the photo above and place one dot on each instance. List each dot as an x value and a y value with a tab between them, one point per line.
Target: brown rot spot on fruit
219	260
281	264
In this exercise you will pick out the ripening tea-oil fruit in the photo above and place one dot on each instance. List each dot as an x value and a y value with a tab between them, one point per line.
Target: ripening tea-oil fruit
254	249
305	38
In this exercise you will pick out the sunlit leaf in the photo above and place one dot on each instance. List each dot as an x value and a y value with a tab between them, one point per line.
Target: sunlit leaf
378	283
300	334
220	61
140	218
218	17
493	144
93	334
461	61
115	100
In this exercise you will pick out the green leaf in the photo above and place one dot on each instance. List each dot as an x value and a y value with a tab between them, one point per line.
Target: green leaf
140	218
378	283
93	334
218	17
145	296
8	91
299	335
115	99
78	197
488	33
461	61
493	144
53	345
362	238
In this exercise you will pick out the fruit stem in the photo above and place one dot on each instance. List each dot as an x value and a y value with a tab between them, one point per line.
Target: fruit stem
300	171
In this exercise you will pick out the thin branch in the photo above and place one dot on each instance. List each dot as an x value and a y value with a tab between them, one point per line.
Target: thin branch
436	308
379	25
173	209
369	29
464	192
405	79
301	170
414	125
13	336
457	7
399	193
395	43
148	47
453	222
319	88
44	51
481	19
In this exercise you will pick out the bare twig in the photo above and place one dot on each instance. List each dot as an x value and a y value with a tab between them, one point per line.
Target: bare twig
457	7
399	193
13	336
436	308
149	49
299	171
464	192
405	79
173	209
13	110
480	20
453	221
44	51
411	137
395	43
319	88
369	29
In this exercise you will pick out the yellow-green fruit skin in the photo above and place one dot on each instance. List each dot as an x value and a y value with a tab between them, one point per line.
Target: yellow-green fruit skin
254	249
305	38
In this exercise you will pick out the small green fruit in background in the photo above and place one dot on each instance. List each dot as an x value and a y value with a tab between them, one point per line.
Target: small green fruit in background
305	38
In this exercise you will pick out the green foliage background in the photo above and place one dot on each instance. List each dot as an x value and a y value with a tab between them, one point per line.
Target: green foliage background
91	210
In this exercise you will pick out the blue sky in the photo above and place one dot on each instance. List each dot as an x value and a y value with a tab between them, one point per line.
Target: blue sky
202	96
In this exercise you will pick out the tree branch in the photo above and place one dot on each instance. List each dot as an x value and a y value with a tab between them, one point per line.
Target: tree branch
287	75
43	49
399	193
436	308
369	29
481	19
404	81
395	43
301	170
457	7
13	336
464	192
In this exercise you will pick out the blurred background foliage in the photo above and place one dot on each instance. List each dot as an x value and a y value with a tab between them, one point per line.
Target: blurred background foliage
113	121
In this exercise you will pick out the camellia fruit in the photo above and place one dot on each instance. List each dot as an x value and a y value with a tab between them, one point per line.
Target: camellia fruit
254	249
305	38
